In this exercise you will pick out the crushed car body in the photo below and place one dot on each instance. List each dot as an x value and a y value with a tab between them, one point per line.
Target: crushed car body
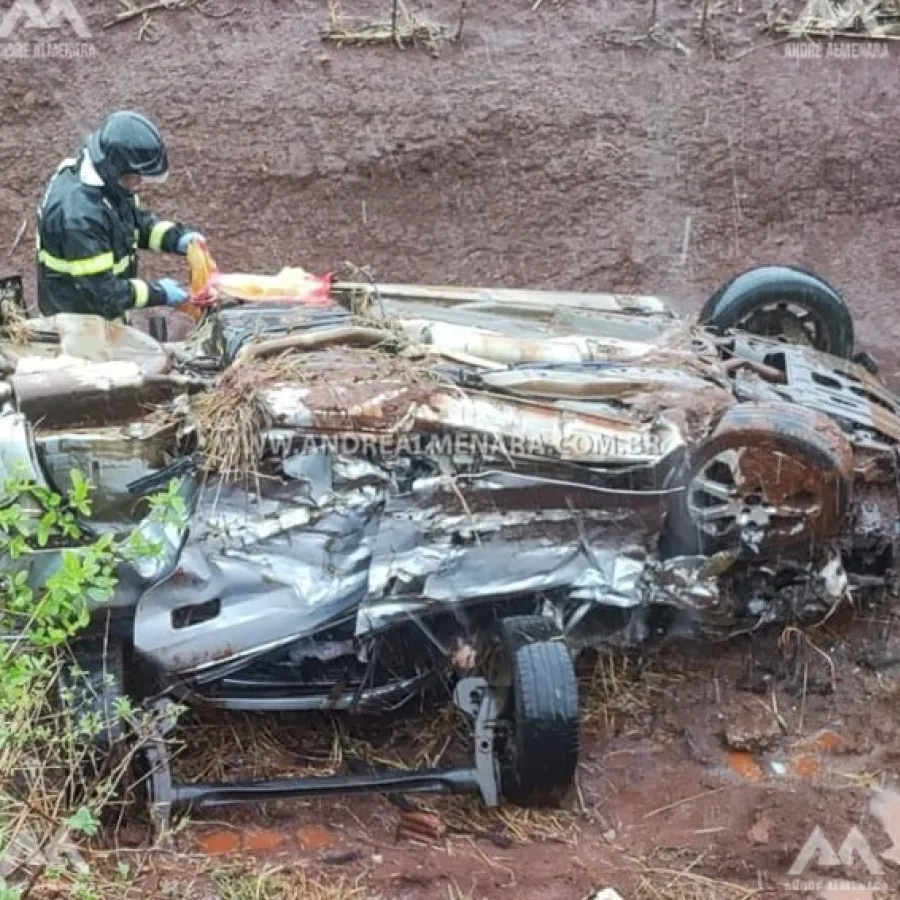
384	489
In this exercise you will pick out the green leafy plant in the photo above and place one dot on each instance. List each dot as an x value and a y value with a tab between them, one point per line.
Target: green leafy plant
54	566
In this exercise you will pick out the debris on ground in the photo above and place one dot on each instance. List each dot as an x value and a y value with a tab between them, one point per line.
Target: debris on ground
760	832
879	20
25	853
421	824
661	876
403	30
885	807
752	728
148	28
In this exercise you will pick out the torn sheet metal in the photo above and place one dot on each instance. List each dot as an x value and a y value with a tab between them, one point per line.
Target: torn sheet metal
257	576
453	542
498	426
372	553
531	428
593	383
311	471
267	582
497	347
18	459
447	295
93	395
110	458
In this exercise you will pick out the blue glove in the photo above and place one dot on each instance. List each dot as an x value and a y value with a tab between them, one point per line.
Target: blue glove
175	293
186	240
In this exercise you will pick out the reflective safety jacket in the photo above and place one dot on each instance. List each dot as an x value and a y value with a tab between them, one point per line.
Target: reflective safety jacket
88	235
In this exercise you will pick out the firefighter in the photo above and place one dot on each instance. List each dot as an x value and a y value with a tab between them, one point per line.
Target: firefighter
90	225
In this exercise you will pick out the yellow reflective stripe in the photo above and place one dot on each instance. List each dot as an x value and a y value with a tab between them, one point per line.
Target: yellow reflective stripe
141	293
157	233
78	268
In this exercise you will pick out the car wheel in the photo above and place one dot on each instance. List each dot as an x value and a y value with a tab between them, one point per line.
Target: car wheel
783	302
539	728
770	477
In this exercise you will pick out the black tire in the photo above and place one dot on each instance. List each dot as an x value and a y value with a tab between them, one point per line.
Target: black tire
540	735
734	305
780	442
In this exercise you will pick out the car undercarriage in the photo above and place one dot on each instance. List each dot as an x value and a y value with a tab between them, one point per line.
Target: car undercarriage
417	490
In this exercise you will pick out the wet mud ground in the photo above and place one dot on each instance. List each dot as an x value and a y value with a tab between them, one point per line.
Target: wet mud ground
547	149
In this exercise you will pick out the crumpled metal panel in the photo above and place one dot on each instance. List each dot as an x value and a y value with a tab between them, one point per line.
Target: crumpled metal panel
93	394
260	575
513	350
593	383
281	568
17	452
541	429
507	298
110	458
422	576
454	543
285	589
505	425
687	587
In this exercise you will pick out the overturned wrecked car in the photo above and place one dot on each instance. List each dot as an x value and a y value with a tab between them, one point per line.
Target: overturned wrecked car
412	489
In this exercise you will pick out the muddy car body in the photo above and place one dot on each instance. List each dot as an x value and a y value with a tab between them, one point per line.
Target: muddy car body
458	489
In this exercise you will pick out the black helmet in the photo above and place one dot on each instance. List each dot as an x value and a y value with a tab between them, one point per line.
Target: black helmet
128	144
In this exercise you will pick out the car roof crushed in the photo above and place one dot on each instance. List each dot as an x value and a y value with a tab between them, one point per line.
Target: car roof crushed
417	446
